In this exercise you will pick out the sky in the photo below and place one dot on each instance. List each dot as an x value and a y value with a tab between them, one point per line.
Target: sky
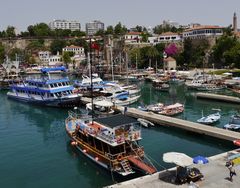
22	13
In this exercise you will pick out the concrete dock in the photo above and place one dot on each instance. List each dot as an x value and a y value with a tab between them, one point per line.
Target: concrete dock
183	124
216	175
223	98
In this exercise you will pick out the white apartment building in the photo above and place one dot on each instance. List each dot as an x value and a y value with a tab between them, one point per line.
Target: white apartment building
44	56
133	37
203	31
165	37
55	60
93	27
75	49
64	24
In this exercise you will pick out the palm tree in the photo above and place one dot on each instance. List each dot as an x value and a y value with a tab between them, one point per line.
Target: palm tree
151	54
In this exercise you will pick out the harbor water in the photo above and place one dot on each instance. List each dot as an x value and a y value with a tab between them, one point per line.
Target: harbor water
36	152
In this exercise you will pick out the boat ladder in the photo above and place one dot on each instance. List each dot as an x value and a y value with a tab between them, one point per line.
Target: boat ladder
126	166
149	168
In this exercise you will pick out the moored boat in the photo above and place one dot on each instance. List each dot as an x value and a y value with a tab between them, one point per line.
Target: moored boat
111	142
145	122
210	119
45	91
101	107
172	110
234	123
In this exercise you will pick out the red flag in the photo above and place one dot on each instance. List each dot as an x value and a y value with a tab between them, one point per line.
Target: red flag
95	46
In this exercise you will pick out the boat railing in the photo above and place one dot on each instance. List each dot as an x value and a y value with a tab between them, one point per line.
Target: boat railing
109	138
115	156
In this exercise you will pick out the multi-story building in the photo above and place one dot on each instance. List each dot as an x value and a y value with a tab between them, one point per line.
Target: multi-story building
132	37
74	49
64	24
44	56
165	37
203	31
93	27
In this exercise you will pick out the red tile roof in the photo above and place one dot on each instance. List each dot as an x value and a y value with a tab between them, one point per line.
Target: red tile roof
72	46
134	33
168	34
204	27
169	59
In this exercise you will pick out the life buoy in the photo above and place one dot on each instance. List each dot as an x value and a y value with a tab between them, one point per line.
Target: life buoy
119	157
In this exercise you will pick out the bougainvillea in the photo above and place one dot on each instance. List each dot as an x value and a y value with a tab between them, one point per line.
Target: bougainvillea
171	49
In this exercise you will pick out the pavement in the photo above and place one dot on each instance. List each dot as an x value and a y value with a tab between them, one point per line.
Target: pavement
216	175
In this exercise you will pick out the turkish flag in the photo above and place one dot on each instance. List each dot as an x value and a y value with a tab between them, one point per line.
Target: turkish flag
95	46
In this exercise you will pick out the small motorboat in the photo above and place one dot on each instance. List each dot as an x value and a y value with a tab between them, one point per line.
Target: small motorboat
172	109
210	119
234	123
155	107
145	122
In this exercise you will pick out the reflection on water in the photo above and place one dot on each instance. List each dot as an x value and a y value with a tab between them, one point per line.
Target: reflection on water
34	143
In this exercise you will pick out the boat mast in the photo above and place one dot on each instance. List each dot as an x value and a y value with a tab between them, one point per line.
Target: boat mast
90	64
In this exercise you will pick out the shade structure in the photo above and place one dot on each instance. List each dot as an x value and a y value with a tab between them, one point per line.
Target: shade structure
200	160
179	159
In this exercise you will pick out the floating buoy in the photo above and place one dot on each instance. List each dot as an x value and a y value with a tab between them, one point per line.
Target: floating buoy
236	142
73	143
84	151
96	158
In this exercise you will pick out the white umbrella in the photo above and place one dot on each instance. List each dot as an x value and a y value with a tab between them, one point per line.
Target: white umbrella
179	159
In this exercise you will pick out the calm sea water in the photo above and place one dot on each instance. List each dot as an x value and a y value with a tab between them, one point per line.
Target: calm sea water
35	150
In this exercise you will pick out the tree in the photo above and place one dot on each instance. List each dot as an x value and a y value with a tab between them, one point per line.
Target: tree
135	55
15	51
35	46
100	33
221	47
2	53
144	36
39	30
67	58
119	29
232	56
109	30
10	32
57	46
151	54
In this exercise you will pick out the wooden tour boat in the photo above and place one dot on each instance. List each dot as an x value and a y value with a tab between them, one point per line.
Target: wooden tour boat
111	142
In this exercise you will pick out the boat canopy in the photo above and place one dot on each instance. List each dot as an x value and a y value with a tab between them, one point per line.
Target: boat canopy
46	69
103	103
177	105
116	120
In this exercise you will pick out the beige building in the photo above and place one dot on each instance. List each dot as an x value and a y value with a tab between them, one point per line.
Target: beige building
170	64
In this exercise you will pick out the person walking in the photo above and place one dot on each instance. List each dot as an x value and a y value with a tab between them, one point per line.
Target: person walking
231	170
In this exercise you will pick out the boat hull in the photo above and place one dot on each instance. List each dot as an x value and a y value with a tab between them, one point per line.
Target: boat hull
62	102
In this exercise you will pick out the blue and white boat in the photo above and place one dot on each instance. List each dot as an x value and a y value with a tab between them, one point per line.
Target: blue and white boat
234	123
56	92
210	119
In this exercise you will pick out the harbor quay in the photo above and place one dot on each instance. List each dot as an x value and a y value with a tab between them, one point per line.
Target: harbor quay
182	124
223	98
216	175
